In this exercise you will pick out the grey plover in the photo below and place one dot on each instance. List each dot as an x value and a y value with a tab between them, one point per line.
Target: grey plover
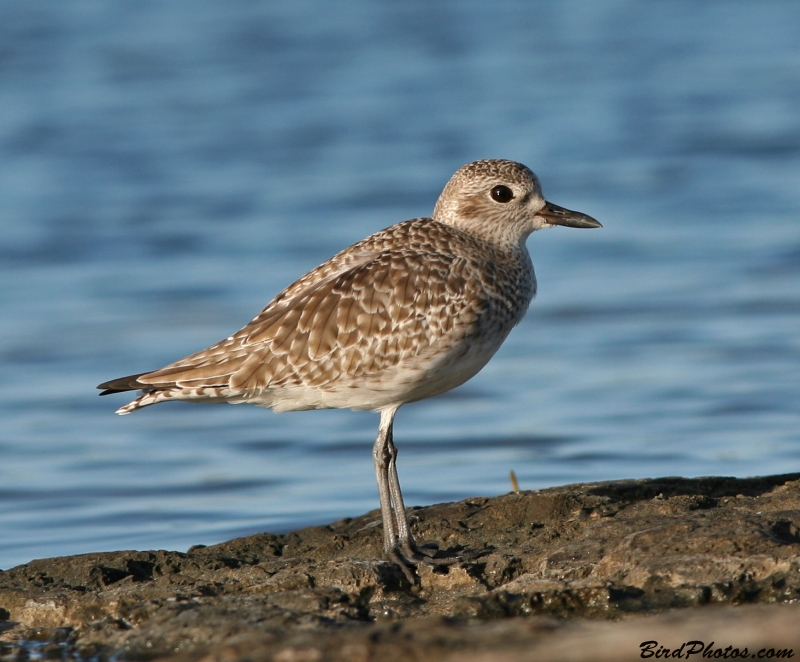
409	312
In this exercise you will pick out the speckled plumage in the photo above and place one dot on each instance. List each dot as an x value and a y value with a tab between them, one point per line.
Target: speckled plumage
409	312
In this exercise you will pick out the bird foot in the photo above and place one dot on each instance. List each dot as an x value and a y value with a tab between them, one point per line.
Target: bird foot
409	555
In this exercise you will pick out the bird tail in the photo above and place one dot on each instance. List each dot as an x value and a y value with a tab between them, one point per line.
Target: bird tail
132	383
144	400
129	383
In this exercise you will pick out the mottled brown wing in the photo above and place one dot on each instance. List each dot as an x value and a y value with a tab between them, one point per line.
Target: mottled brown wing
344	327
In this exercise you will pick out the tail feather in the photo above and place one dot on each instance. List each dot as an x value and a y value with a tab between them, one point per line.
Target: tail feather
144	400
132	383
129	383
161	391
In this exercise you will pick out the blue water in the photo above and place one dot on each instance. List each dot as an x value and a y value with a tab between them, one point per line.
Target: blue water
167	167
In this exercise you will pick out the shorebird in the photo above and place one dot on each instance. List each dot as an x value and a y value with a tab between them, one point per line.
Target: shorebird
407	313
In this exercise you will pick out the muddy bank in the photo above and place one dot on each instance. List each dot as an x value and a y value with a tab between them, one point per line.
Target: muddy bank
555	567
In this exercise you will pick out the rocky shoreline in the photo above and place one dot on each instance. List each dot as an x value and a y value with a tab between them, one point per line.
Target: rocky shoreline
582	572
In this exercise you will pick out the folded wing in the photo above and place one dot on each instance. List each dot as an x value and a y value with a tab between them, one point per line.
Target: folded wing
386	308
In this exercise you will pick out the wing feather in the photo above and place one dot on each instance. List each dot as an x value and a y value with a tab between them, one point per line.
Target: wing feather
383	309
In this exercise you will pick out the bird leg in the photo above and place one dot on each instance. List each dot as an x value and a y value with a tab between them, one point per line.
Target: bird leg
398	542
381	457
405	540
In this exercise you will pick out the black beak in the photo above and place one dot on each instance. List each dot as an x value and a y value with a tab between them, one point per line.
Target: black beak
555	215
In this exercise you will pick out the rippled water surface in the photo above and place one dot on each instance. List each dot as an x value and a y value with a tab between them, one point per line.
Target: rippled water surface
165	169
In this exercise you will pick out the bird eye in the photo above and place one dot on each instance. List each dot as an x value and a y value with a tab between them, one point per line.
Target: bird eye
502	194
